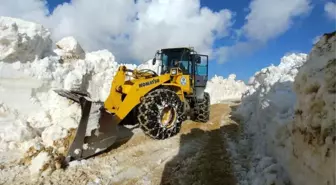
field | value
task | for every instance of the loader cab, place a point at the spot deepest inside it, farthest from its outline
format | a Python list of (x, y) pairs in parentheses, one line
[(188, 61)]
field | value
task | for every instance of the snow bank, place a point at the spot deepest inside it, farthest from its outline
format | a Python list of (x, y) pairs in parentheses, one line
[(32, 115), (23, 41), (291, 133), (221, 89)]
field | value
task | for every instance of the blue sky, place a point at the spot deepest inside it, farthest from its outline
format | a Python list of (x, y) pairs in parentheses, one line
[(298, 38)]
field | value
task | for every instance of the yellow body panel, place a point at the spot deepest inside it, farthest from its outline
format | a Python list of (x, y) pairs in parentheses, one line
[(125, 95), (114, 99)]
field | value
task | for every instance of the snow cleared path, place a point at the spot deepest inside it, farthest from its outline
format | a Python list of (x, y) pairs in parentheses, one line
[(195, 156)]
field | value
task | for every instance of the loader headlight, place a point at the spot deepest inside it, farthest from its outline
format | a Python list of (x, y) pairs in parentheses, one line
[(174, 71)]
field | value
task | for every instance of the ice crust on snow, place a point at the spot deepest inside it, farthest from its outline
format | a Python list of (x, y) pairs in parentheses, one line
[(289, 118), (22, 40)]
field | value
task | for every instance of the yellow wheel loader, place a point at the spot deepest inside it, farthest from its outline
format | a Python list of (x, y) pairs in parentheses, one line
[(159, 101)]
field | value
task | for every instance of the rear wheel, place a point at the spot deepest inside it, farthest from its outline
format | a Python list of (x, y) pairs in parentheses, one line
[(160, 114), (202, 109)]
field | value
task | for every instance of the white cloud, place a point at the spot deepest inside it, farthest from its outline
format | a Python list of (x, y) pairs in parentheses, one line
[(330, 9), (271, 18), (266, 20), (33, 10), (129, 29)]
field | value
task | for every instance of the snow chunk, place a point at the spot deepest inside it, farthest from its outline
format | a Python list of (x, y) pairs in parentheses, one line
[(39, 162), (69, 49), (53, 133), (22, 40)]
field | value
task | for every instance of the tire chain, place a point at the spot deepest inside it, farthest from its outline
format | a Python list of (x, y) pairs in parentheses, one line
[(202, 113), (148, 113)]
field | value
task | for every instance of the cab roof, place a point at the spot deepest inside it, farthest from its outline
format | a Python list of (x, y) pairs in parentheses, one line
[(179, 48)]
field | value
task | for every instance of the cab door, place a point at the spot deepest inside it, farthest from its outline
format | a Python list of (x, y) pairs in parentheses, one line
[(201, 71)]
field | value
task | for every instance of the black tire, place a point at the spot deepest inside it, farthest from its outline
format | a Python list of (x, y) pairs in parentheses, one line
[(202, 109), (151, 108)]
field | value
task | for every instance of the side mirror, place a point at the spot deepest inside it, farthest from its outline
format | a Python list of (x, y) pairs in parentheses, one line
[(154, 61), (198, 60)]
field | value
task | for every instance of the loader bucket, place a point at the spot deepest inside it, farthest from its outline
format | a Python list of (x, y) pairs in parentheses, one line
[(86, 145)]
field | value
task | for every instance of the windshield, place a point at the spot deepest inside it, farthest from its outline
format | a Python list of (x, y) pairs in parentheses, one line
[(168, 57)]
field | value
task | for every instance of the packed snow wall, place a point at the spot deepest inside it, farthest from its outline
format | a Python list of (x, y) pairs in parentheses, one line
[(289, 117), (35, 122)]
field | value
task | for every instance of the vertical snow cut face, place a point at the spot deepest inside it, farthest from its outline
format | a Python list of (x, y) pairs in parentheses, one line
[(288, 113), (266, 106), (313, 133)]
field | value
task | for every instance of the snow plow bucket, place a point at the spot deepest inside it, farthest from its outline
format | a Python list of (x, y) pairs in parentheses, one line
[(104, 135)]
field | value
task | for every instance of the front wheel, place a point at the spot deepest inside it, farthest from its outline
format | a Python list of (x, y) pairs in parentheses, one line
[(160, 114)]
